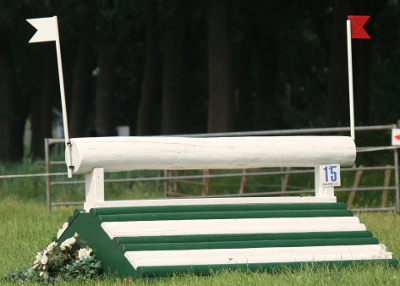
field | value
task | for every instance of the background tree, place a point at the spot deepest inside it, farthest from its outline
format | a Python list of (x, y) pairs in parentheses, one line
[(220, 67), (174, 86), (80, 95), (16, 81), (42, 104), (194, 66), (337, 106), (146, 112)]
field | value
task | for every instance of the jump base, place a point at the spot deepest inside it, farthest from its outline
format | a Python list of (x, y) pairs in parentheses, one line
[(167, 237)]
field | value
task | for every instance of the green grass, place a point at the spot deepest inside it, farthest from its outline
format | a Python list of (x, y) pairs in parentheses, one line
[(25, 229)]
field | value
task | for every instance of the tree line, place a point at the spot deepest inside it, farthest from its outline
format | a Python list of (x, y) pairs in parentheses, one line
[(176, 67)]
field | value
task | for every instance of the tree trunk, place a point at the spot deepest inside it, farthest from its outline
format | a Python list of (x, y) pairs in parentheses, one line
[(107, 55), (42, 105), (244, 90), (11, 118), (80, 90), (145, 118), (265, 67), (361, 61), (221, 98), (173, 84), (337, 102)]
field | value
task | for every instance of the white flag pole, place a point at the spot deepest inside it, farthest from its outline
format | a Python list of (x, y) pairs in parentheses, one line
[(47, 31), (63, 102), (350, 74)]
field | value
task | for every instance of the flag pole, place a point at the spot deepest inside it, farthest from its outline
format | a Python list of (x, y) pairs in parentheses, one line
[(350, 74), (47, 31), (68, 145)]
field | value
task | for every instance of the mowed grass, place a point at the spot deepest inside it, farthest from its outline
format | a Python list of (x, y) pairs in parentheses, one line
[(25, 228)]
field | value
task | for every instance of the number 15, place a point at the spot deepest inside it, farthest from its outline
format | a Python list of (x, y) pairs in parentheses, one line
[(333, 173), (330, 175)]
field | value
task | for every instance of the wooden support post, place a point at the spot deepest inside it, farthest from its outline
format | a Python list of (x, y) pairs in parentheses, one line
[(285, 180), (166, 186), (243, 182), (356, 183), (386, 183), (206, 183), (94, 186), (174, 182)]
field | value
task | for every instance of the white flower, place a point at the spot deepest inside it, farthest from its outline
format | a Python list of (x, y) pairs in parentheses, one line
[(84, 253), (68, 243), (44, 258), (45, 274), (51, 246), (38, 257)]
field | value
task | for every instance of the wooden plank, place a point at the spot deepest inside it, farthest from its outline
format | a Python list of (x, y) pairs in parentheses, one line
[(248, 244), (210, 201), (217, 208), (256, 255), (180, 153), (158, 271), (241, 237), (233, 226), (222, 215)]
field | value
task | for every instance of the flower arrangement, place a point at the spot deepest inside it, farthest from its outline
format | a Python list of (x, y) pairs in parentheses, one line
[(61, 263)]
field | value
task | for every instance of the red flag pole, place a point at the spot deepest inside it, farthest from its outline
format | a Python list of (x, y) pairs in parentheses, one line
[(350, 74)]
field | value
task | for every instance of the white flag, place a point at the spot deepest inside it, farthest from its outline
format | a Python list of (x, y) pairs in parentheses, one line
[(47, 29)]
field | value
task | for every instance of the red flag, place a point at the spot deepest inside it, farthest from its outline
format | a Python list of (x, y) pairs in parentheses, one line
[(357, 27)]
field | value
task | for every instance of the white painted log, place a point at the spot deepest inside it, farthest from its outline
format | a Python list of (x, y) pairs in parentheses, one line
[(232, 226), (208, 201), (174, 153), (256, 255)]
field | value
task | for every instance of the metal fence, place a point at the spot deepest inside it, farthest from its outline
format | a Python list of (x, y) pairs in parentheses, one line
[(168, 178)]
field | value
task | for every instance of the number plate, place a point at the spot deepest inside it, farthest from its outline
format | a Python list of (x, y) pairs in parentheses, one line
[(329, 175)]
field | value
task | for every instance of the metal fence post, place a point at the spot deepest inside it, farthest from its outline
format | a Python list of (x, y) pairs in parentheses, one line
[(48, 186), (396, 178)]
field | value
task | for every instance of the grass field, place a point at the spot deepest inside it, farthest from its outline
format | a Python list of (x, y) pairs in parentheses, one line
[(25, 228)]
